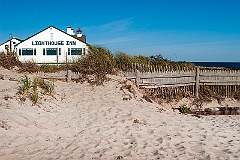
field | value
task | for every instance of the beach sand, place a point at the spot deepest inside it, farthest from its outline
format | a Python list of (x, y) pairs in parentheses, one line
[(107, 122)]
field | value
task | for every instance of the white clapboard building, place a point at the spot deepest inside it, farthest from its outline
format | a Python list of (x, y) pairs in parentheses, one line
[(9, 45), (52, 45)]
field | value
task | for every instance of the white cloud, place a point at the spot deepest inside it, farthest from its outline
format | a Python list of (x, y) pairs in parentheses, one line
[(111, 27), (175, 44), (116, 41)]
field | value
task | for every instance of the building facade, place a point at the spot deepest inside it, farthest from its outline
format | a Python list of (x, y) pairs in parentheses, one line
[(9, 45), (52, 45)]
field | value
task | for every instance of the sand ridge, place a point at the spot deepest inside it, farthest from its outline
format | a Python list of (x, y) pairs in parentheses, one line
[(86, 122)]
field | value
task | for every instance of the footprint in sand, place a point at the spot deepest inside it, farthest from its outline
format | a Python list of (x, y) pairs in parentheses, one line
[(132, 140), (180, 147), (160, 140), (197, 149)]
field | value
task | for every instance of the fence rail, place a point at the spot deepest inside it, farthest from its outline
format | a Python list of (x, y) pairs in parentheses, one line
[(217, 77), (196, 79), (223, 81), (63, 75), (220, 77)]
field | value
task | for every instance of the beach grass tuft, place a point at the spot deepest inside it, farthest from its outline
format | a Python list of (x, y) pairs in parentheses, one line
[(36, 88)]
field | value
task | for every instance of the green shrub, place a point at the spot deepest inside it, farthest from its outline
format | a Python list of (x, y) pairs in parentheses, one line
[(98, 62), (26, 85), (51, 68), (48, 87), (141, 59), (159, 60), (124, 61), (34, 97), (30, 89), (34, 84), (30, 67), (184, 109), (9, 61)]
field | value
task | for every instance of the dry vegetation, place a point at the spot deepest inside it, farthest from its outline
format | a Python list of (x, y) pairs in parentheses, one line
[(100, 61), (35, 89), (167, 94)]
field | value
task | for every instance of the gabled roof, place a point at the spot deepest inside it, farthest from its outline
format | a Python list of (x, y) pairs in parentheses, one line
[(12, 38), (82, 38), (56, 29)]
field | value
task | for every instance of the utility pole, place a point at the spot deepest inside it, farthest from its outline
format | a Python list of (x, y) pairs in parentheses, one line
[(10, 43)]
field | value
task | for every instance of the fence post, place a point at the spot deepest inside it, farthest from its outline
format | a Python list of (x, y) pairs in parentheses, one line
[(238, 92), (197, 82), (69, 75), (137, 77)]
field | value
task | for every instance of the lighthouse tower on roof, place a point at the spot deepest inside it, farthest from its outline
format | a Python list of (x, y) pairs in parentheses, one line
[(79, 32)]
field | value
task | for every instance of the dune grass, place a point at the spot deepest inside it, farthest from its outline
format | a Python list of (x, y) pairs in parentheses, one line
[(35, 89), (98, 63), (99, 60)]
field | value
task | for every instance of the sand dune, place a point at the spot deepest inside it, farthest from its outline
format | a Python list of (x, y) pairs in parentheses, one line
[(86, 122)]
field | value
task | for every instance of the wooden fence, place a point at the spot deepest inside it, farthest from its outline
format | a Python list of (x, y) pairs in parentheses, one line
[(62, 75), (169, 83), (221, 80)]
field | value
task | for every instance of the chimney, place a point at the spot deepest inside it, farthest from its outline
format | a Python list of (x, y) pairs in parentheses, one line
[(70, 31)]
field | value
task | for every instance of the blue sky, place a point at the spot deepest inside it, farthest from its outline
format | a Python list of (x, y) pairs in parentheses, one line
[(180, 30)]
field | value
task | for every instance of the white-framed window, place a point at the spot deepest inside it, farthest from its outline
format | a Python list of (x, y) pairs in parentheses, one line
[(76, 51), (27, 51), (51, 51)]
